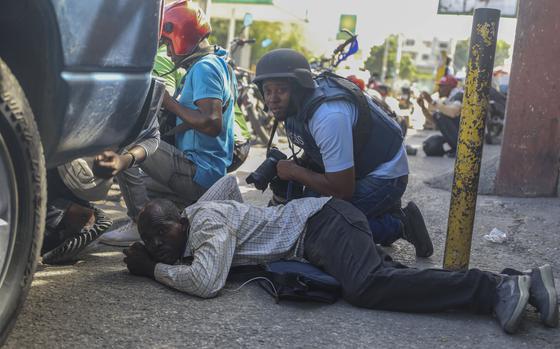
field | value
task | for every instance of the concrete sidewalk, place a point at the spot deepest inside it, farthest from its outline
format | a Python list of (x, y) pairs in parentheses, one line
[(96, 303)]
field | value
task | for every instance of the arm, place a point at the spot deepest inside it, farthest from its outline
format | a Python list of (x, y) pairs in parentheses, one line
[(452, 110), (110, 163), (225, 188), (208, 86), (338, 184), (211, 263), (331, 128), (206, 119)]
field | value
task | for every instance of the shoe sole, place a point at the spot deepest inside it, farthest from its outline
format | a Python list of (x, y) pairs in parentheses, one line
[(428, 250), (545, 274), (117, 243), (524, 284)]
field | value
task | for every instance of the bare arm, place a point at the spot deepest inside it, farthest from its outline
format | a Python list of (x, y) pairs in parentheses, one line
[(206, 119), (337, 184)]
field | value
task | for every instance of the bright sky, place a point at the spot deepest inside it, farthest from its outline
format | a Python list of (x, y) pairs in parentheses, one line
[(379, 18)]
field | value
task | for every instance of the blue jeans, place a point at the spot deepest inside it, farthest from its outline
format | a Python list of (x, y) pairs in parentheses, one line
[(377, 198)]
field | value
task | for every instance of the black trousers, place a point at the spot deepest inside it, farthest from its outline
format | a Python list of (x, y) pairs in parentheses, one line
[(338, 239), (449, 128)]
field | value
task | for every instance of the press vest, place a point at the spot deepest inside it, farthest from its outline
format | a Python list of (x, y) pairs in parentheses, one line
[(376, 136)]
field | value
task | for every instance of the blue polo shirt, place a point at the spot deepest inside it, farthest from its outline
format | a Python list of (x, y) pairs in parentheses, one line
[(208, 78)]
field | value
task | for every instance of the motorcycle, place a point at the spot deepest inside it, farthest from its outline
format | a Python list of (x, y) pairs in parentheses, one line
[(495, 116)]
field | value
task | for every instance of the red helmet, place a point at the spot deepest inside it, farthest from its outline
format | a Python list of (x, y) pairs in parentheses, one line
[(361, 84), (184, 27)]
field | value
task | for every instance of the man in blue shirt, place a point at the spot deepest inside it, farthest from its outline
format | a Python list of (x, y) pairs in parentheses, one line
[(203, 146), (355, 150)]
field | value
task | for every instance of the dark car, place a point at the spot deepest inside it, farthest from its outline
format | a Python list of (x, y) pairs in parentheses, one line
[(75, 79)]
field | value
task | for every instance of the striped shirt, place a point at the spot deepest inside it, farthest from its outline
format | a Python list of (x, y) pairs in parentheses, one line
[(227, 233)]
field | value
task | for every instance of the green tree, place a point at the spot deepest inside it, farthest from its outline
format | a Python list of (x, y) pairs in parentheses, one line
[(407, 68), (502, 52), (374, 63), (283, 35), (460, 59), (461, 56)]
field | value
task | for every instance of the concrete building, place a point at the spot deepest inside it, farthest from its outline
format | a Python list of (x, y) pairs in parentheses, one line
[(426, 53)]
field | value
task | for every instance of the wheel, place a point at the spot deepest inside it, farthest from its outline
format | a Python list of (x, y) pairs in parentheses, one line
[(23, 198)]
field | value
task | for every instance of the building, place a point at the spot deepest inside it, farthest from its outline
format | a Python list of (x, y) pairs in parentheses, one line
[(426, 54)]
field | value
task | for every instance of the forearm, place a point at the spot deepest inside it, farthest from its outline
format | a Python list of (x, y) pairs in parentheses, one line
[(320, 183), (194, 118), (450, 110), (185, 279), (427, 114)]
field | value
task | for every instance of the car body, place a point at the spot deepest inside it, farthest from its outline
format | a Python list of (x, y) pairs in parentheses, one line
[(76, 80)]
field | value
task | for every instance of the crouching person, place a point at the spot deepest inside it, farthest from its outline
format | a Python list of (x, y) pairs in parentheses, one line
[(225, 232)]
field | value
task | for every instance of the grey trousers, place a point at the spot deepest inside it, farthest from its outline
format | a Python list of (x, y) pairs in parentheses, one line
[(167, 173)]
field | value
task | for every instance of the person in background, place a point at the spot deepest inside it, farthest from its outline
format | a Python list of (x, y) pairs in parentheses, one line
[(445, 112)]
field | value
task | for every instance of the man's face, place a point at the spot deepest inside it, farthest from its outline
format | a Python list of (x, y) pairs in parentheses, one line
[(165, 240), (445, 90), (174, 58), (277, 94)]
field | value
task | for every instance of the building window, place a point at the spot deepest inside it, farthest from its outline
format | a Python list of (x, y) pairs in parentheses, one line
[(425, 57), (409, 42), (443, 45)]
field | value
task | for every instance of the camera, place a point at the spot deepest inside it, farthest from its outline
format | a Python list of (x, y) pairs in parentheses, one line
[(262, 176)]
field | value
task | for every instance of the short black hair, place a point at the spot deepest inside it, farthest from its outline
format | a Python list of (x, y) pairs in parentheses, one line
[(158, 210)]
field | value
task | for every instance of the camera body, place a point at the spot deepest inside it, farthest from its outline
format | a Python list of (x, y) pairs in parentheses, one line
[(266, 171)]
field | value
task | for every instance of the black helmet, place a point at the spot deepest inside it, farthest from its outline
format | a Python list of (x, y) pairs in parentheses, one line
[(284, 63)]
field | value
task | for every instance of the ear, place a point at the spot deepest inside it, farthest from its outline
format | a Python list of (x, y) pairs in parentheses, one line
[(184, 221)]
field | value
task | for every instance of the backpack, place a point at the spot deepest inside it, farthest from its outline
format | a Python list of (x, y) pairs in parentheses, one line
[(290, 280)]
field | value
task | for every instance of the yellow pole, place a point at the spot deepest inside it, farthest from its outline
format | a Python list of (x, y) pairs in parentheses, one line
[(471, 135)]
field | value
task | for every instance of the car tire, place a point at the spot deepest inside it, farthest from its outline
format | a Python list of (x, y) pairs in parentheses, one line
[(23, 198)]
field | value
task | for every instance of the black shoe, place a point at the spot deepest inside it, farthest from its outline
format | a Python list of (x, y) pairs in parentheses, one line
[(67, 251), (543, 295), (415, 231), (512, 297)]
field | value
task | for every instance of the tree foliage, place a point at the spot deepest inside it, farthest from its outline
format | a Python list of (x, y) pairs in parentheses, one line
[(374, 63), (407, 68), (460, 59), (283, 35)]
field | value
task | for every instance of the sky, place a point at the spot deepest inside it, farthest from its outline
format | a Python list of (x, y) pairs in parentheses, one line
[(376, 20)]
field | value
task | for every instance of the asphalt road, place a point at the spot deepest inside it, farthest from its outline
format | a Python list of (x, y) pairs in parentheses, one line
[(96, 303)]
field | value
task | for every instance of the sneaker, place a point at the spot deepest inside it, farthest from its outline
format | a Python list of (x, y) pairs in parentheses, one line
[(543, 295), (69, 249), (123, 236), (415, 231), (512, 296)]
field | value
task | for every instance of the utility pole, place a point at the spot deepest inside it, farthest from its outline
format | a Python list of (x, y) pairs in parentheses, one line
[(471, 134)]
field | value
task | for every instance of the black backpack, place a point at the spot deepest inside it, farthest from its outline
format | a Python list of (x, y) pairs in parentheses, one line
[(290, 280)]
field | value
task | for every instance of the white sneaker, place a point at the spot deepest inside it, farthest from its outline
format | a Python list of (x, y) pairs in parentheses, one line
[(123, 236)]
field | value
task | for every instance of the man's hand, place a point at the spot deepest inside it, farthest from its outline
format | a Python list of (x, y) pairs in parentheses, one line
[(286, 170), (138, 260), (109, 164), (167, 100), (426, 96)]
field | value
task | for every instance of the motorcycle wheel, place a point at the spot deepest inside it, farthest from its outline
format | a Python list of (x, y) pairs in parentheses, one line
[(258, 128), (23, 205)]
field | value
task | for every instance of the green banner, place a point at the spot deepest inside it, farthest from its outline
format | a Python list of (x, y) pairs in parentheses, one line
[(253, 2), (346, 22)]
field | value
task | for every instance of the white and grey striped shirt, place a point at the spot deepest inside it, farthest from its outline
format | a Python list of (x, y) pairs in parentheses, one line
[(227, 233)]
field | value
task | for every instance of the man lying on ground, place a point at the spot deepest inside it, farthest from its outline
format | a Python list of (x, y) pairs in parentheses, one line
[(337, 238)]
